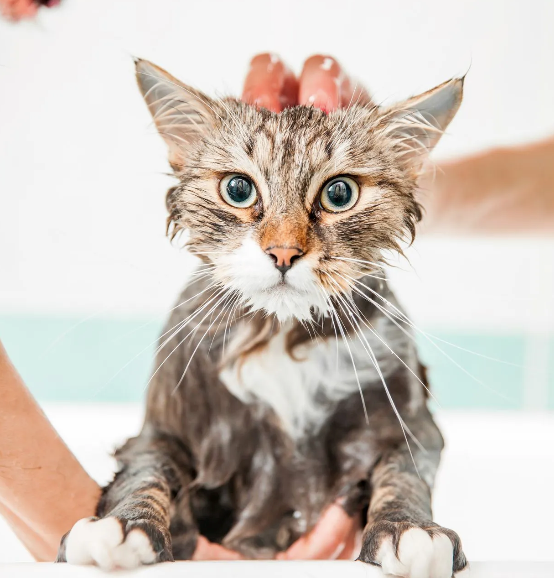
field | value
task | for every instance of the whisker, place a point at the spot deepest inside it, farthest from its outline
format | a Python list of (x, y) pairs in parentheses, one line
[(226, 305), (191, 316), (386, 261), (306, 326), (227, 326), (70, 329), (333, 311), (488, 357), (369, 326), (187, 335), (195, 350), (367, 347), (133, 331), (392, 317), (110, 380), (378, 265), (403, 317)]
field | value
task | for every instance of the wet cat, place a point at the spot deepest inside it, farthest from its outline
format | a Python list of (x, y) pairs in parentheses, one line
[(287, 378)]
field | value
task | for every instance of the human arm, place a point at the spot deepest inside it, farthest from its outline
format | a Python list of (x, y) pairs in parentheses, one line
[(500, 191), (43, 488)]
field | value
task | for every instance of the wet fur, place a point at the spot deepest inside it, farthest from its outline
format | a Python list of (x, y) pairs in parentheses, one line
[(228, 463)]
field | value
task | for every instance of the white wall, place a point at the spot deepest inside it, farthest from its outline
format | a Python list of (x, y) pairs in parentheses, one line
[(81, 187)]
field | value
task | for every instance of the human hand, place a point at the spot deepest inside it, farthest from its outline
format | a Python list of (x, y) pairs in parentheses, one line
[(206, 550), (335, 537), (322, 83), (24, 9)]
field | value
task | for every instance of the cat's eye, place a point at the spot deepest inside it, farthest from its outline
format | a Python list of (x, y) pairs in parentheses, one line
[(339, 194), (238, 190)]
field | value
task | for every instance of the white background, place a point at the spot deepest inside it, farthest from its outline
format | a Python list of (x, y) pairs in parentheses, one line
[(82, 216)]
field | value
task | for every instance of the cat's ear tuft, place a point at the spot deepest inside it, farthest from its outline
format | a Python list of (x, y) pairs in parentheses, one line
[(182, 114), (419, 122)]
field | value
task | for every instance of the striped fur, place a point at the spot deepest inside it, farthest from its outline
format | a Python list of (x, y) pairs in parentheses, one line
[(276, 395)]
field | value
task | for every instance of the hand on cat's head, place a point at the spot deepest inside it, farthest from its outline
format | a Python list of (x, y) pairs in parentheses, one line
[(322, 83)]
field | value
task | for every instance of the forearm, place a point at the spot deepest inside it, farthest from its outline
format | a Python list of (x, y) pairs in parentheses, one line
[(502, 191), (35, 543), (43, 488)]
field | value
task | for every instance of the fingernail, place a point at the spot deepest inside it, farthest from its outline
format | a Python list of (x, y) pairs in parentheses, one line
[(327, 63), (261, 101), (321, 100), (273, 61), (266, 101)]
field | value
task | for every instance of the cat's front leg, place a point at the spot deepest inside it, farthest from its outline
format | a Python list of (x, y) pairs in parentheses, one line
[(133, 523), (400, 535)]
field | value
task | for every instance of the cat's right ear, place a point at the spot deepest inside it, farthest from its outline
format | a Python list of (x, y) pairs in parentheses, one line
[(182, 114)]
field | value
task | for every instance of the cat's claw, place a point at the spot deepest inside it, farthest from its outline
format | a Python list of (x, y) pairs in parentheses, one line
[(410, 551), (111, 543)]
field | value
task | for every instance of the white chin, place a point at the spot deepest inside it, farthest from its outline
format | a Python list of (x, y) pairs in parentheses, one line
[(285, 303)]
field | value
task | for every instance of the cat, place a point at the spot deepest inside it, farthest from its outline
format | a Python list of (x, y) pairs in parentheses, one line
[(286, 378)]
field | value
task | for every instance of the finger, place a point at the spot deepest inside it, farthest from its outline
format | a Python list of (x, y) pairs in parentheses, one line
[(352, 545), (322, 82), (18, 9), (327, 539), (270, 84), (25, 8), (206, 550), (325, 85)]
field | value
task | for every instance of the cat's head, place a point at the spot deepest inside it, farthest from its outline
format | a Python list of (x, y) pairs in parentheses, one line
[(291, 208)]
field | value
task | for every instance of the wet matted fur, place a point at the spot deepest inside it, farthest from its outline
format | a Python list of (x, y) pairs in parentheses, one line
[(283, 387)]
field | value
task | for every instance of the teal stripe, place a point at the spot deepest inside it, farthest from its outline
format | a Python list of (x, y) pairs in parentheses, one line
[(62, 361), (100, 360), (467, 380)]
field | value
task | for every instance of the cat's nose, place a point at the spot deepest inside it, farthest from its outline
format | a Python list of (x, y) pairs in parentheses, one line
[(284, 257)]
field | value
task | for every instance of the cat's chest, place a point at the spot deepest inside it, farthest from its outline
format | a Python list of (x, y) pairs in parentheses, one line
[(300, 386)]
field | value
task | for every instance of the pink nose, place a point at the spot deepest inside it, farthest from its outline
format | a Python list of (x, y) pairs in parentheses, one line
[(284, 257)]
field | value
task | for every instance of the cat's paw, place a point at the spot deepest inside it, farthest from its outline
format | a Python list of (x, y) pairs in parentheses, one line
[(111, 543), (413, 551)]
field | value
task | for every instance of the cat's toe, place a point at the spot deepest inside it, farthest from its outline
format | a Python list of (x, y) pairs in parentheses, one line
[(413, 552), (111, 543)]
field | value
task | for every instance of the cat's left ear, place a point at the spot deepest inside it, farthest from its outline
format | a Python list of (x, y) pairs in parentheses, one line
[(181, 113), (419, 122)]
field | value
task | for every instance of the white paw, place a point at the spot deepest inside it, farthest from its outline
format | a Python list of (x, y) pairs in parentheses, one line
[(102, 542), (419, 555)]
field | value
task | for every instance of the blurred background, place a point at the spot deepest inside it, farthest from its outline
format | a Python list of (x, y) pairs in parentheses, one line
[(87, 274)]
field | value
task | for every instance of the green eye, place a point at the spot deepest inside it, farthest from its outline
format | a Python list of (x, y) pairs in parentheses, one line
[(339, 194), (239, 191)]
